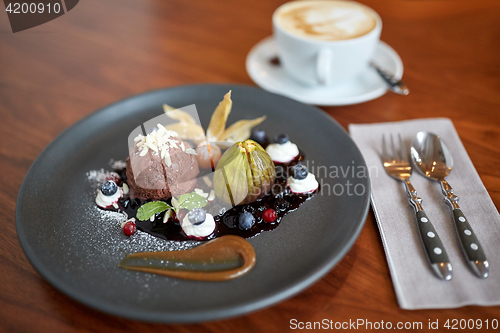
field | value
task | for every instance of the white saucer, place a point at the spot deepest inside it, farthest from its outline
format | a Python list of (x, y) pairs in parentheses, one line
[(365, 87)]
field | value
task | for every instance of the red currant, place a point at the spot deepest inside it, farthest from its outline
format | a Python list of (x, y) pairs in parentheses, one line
[(129, 228), (269, 215), (114, 177)]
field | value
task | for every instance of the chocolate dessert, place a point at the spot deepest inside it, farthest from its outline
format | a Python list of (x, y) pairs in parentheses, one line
[(291, 188), (160, 166), (241, 192)]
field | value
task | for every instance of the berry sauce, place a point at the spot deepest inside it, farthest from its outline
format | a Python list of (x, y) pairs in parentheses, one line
[(280, 198)]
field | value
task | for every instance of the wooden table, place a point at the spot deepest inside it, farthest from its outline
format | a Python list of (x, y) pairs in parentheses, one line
[(102, 51)]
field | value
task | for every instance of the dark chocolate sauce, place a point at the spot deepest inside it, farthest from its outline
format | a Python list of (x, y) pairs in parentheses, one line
[(279, 198)]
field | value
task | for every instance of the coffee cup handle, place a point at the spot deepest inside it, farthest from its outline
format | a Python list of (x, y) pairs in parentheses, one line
[(324, 66)]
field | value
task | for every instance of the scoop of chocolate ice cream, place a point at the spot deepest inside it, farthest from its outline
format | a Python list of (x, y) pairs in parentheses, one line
[(161, 167)]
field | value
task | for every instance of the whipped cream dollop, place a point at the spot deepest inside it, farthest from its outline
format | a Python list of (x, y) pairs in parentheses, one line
[(306, 185), (282, 153), (106, 201), (202, 230)]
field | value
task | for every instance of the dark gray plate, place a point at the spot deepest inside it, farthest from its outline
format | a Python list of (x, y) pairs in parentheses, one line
[(66, 240)]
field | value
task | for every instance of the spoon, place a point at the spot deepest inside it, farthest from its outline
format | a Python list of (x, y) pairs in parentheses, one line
[(433, 159), (395, 85)]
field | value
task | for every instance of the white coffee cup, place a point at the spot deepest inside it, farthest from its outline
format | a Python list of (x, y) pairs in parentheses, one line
[(325, 42)]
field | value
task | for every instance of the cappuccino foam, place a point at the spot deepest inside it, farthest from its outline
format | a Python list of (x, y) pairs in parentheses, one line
[(326, 20)]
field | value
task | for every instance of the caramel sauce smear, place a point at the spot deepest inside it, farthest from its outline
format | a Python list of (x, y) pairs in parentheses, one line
[(221, 259)]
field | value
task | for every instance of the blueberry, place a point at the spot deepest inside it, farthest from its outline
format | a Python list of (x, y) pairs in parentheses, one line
[(246, 221), (299, 171), (281, 138), (258, 135), (135, 203), (229, 220), (109, 188), (125, 203), (197, 216)]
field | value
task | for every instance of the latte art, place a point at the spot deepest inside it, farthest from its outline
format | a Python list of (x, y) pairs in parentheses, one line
[(326, 20)]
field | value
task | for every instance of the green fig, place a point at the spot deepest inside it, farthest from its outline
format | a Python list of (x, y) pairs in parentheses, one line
[(244, 173)]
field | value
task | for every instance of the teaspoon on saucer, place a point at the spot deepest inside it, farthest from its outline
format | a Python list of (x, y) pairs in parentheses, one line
[(433, 159), (263, 68), (397, 86)]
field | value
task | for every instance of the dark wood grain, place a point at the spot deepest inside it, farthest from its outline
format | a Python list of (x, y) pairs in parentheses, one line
[(102, 51)]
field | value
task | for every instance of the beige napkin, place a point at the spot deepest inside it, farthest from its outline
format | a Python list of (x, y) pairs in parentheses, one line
[(415, 284)]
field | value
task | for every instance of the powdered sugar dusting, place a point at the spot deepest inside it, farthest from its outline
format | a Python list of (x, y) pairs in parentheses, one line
[(104, 228), (109, 238), (117, 165), (97, 177)]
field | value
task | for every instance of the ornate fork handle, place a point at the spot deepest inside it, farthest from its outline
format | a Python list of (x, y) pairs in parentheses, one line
[(436, 253), (470, 244), (415, 200)]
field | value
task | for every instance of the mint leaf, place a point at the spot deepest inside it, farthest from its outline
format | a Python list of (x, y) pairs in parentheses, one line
[(149, 209), (191, 200)]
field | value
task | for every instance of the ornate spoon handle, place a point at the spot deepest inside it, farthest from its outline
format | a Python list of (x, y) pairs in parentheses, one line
[(471, 247), (434, 248), (394, 84)]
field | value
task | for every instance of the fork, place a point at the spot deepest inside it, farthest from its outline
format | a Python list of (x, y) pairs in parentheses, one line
[(398, 166)]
